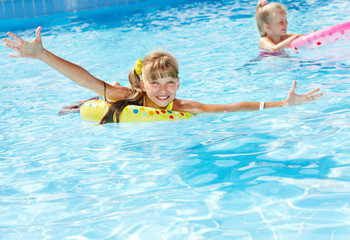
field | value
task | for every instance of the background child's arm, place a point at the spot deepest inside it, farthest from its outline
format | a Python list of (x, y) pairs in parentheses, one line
[(292, 99), (35, 50), (266, 43)]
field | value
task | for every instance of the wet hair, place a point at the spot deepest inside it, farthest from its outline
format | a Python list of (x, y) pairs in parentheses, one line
[(264, 13), (155, 65)]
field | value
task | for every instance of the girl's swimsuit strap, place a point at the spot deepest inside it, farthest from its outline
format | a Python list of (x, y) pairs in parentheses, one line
[(170, 106)]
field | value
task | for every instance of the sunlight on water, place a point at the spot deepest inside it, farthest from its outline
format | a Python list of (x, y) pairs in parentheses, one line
[(272, 174)]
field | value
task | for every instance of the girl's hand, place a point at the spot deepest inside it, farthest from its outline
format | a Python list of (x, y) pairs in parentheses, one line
[(25, 49), (295, 99)]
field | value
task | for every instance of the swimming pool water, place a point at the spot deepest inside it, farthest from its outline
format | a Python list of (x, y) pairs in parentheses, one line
[(273, 174)]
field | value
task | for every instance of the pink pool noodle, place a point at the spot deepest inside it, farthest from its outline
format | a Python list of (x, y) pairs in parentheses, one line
[(322, 37)]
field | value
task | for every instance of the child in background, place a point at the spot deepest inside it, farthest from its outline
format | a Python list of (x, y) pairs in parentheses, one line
[(271, 19), (154, 83)]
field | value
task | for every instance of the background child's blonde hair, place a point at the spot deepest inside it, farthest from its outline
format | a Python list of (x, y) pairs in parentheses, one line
[(264, 13)]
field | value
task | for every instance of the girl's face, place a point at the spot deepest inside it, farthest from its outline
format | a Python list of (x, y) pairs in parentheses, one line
[(278, 24), (160, 92)]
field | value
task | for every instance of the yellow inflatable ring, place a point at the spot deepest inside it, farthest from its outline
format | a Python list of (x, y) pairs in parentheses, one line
[(94, 110)]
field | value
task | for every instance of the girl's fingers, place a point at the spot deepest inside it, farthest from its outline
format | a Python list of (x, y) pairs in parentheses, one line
[(15, 37), (10, 43), (15, 56), (312, 92), (37, 33), (12, 47), (316, 96), (293, 86)]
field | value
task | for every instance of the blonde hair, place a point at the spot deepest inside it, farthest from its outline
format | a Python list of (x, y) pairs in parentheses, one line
[(158, 65), (264, 13), (155, 65)]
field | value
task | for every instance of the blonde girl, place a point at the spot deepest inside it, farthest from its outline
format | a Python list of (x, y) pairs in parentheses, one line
[(271, 19), (154, 82)]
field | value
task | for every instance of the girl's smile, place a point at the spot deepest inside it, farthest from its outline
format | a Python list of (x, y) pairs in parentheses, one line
[(160, 92)]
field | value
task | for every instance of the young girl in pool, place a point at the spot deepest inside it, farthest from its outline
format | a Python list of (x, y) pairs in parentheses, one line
[(271, 19), (156, 88)]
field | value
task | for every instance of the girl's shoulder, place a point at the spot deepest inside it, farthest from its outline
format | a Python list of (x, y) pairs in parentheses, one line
[(185, 105), (264, 42), (263, 39)]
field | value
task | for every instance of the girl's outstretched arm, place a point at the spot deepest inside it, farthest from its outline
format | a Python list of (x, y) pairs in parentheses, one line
[(266, 43), (35, 50), (291, 100)]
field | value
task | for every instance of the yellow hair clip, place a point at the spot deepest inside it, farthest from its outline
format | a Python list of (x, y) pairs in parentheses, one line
[(138, 67)]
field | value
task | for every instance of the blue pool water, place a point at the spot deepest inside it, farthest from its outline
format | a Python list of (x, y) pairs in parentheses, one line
[(273, 174)]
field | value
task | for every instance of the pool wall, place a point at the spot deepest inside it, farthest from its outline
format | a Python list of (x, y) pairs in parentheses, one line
[(10, 9)]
